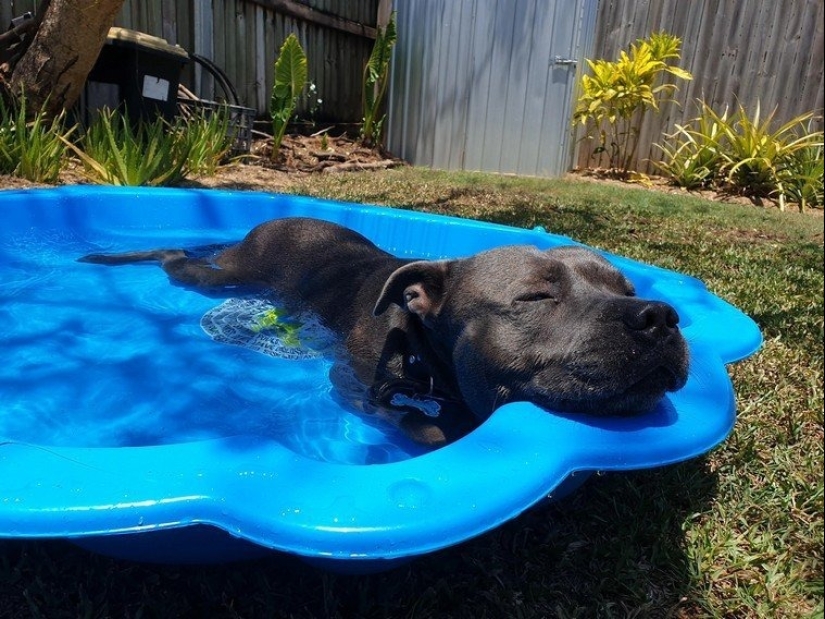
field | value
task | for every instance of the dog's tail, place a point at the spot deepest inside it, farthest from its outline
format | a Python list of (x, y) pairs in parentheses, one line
[(161, 256)]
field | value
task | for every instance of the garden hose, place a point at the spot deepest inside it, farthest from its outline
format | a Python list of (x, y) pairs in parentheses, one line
[(219, 76)]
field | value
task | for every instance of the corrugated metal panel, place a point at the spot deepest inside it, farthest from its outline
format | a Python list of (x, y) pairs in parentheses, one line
[(738, 51), (474, 85)]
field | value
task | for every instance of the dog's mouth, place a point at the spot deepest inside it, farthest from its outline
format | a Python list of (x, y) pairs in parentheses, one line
[(668, 377), (635, 397), (645, 394)]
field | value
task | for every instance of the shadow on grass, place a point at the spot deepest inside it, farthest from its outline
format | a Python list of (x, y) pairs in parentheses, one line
[(614, 547)]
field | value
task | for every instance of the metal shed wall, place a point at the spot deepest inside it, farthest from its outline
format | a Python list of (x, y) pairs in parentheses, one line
[(475, 86)]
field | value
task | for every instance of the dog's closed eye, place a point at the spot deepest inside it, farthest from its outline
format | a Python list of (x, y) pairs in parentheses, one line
[(539, 295), (548, 289)]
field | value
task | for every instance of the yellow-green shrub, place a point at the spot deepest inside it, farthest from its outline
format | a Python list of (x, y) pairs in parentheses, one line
[(615, 95)]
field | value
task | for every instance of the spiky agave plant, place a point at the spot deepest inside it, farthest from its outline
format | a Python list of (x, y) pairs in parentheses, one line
[(116, 153), (32, 146)]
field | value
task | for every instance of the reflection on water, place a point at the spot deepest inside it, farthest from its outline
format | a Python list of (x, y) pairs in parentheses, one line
[(101, 357)]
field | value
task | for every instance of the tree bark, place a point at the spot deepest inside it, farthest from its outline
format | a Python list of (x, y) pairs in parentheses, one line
[(52, 71)]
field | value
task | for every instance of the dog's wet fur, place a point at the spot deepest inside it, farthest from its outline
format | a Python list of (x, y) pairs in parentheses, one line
[(561, 328)]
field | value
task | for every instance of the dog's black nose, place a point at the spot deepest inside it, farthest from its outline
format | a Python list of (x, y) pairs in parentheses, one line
[(650, 315)]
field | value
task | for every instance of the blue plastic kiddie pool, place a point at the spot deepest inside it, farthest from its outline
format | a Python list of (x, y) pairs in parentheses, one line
[(127, 427)]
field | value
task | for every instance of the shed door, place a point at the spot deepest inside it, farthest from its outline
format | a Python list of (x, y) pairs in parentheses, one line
[(487, 85)]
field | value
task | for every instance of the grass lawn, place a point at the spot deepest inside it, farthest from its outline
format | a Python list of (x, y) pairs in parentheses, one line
[(736, 533)]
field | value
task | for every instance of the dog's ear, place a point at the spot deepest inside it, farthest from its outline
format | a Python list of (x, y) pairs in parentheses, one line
[(417, 287)]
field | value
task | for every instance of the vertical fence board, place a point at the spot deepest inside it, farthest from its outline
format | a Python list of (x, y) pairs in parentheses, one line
[(462, 100), (243, 38), (741, 51)]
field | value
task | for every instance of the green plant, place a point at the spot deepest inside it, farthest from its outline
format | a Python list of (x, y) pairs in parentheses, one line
[(207, 138), (615, 97), (694, 152), (115, 153), (757, 155), (376, 74), (32, 147), (290, 79), (747, 155), (802, 176)]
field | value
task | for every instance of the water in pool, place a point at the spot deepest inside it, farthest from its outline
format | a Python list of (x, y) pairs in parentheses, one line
[(113, 357)]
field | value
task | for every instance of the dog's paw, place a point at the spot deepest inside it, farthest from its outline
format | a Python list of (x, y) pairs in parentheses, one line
[(423, 431)]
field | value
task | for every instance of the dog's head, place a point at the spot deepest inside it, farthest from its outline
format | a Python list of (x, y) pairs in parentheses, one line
[(560, 328)]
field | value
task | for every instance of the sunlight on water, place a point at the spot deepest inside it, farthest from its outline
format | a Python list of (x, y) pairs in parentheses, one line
[(115, 357)]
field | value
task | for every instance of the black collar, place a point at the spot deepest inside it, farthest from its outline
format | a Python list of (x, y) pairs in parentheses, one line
[(415, 391)]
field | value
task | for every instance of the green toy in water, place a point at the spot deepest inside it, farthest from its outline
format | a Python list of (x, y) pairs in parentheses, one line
[(277, 320), (262, 326)]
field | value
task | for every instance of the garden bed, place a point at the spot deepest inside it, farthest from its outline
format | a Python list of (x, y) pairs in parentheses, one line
[(303, 155)]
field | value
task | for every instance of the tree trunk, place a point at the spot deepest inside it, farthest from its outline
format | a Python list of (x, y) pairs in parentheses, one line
[(52, 71)]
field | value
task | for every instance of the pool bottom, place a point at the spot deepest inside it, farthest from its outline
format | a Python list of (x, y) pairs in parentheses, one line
[(100, 358)]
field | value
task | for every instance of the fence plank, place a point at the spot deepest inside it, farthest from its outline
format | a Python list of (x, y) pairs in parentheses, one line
[(742, 51), (310, 15), (243, 38)]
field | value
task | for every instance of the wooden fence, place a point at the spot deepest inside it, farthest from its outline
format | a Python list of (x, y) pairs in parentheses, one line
[(739, 51), (243, 37)]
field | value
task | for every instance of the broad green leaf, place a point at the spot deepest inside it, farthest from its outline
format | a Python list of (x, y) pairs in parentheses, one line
[(290, 69), (289, 81)]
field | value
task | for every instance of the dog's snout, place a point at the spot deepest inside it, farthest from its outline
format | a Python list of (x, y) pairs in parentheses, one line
[(650, 315)]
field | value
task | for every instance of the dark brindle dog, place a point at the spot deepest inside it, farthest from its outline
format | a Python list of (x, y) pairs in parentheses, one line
[(441, 344)]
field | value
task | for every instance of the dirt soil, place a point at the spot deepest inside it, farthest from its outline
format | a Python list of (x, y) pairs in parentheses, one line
[(298, 157)]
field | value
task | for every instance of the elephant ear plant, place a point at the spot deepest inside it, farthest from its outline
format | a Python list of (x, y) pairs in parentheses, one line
[(376, 79), (290, 79)]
